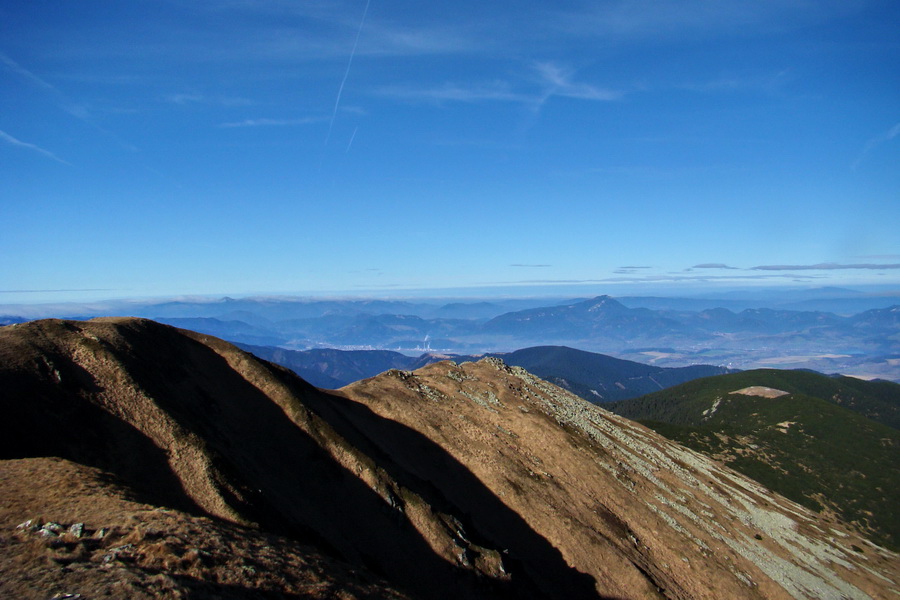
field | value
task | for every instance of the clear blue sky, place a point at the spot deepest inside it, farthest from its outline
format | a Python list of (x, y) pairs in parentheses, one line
[(235, 147)]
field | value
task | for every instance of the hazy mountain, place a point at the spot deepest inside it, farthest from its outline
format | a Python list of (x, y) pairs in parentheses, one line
[(842, 301), (601, 317), (195, 468), (276, 309), (231, 330), (385, 330), (865, 344), (828, 443), (595, 377), (329, 368), (759, 320), (879, 321), (10, 320), (474, 310)]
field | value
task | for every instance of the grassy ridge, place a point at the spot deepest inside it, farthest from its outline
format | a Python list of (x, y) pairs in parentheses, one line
[(813, 445)]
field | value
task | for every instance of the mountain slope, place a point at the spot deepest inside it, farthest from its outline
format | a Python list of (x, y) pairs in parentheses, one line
[(476, 480), (802, 434)]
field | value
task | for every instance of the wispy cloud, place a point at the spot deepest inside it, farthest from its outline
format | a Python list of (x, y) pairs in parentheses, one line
[(876, 141), (825, 267), (660, 19), (56, 291), (712, 266), (33, 147), (663, 278), (327, 26), (183, 99), (79, 110), (186, 99), (704, 278), (765, 83), (451, 92), (881, 256), (409, 39), (15, 67), (543, 81), (272, 122), (630, 270), (557, 81)]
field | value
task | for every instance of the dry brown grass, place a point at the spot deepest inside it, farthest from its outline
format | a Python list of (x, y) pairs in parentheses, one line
[(147, 552)]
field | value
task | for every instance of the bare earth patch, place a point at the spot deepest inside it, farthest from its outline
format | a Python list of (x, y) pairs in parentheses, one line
[(761, 391)]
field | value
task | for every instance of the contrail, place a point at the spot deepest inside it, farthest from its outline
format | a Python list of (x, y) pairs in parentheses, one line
[(62, 103), (350, 143), (876, 141), (337, 101), (17, 68), (16, 142)]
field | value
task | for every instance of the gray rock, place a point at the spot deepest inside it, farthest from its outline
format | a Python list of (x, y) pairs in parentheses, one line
[(118, 553), (29, 524), (50, 530)]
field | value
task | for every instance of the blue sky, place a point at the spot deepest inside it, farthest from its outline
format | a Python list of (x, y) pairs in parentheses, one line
[(237, 147)]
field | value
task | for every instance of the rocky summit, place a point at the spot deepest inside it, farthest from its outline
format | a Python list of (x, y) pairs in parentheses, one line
[(144, 461)]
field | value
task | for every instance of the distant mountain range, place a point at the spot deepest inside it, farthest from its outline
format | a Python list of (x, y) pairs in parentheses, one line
[(142, 461), (595, 377), (866, 344), (828, 443), (331, 369), (665, 332)]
